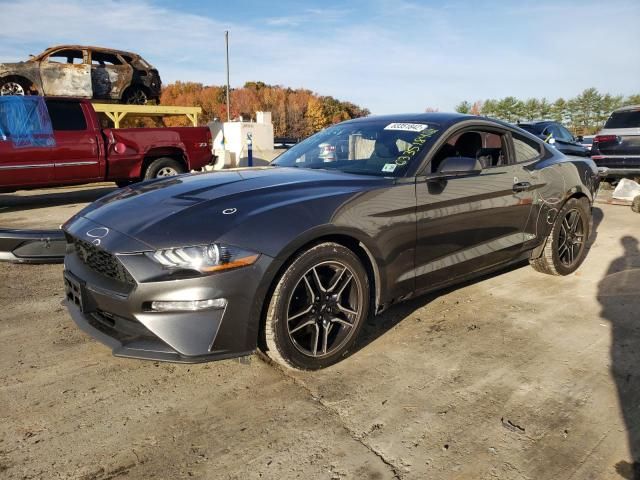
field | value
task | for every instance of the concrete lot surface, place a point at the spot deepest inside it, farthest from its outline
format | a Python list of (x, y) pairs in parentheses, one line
[(514, 376)]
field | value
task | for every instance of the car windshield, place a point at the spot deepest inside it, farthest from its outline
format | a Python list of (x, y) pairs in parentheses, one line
[(369, 148)]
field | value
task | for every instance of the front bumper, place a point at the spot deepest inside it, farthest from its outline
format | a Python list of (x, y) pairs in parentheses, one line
[(116, 314), (32, 246)]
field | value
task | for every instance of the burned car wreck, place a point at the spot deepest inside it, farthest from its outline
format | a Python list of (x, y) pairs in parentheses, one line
[(84, 72)]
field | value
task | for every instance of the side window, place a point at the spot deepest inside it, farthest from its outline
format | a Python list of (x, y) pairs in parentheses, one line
[(565, 135), (66, 116), (104, 59), (73, 57), (485, 146), (525, 149)]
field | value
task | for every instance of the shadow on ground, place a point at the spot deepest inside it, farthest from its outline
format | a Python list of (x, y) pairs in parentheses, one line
[(619, 296), (51, 198), (379, 325)]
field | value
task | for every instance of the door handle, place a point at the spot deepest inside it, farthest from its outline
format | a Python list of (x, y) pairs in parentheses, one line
[(522, 187)]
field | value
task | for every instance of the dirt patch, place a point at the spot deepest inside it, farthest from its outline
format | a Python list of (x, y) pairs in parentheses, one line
[(507, 377)]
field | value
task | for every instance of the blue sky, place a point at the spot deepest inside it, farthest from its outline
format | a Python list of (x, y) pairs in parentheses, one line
[(389, 56)]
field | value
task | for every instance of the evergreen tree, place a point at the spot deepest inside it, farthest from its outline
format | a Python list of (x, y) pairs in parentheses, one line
[(463, 107)]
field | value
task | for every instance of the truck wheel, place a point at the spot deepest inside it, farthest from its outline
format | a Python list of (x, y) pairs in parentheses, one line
[(566, 245), (135, 96), (635, 205), (163, 167)]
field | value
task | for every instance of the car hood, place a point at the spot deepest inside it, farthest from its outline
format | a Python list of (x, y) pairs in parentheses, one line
[(6, 67), (200, 208)]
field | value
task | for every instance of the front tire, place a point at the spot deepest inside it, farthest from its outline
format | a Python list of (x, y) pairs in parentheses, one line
[(566, 246), (15, 86), (318, 308), (163, 167)]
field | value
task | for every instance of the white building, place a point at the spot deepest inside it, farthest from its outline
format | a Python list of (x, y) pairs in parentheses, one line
[(230, 141)]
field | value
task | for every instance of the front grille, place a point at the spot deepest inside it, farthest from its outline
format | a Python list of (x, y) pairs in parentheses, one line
[(102, 262)]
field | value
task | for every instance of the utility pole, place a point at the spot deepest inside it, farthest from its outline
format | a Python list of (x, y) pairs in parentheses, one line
[(226, 41)]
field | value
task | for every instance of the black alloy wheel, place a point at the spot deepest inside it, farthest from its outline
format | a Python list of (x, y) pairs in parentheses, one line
[(317, 308), (322, 309), (565, 247), (571, 238)]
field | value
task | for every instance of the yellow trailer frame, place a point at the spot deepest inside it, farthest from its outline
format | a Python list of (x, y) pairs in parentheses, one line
[(116, 112)]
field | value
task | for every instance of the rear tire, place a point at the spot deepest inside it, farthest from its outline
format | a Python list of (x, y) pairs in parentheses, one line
[(635, 205), (163, 167), (566, 246), (135, 96), (318, 308)]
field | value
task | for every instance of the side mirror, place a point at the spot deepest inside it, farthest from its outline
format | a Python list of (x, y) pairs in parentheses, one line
[(457, 167), (579, 138)]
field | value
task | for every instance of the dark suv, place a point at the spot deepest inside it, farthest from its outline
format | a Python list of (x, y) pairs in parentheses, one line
[(616, 149), (562, 138)]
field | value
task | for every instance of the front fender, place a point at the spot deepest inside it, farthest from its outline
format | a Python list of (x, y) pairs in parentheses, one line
[(31, 73)]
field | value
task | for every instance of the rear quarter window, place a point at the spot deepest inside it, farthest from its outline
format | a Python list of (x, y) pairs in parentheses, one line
[(525, 148), (626, 119)]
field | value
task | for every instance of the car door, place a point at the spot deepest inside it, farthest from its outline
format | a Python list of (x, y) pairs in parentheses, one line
[(66, 73), (25, 147), (77, 144), (110, 75), (471, 222), (24, 166)]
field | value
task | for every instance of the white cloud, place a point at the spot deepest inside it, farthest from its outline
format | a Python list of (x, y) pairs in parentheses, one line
[(401, 56)]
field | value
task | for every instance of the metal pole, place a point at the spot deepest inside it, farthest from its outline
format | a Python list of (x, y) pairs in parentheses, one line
[(226, 41)]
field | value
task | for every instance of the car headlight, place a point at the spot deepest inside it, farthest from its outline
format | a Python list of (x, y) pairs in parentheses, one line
[(204, 258)]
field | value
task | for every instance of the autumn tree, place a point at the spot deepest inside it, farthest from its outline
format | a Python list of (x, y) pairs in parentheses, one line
[(289, 107), (476, 108)]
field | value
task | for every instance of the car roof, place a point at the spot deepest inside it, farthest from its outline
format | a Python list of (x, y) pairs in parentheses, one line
[(443, 119), (417, 117), (89, 47), (627, 108), (537, 122)]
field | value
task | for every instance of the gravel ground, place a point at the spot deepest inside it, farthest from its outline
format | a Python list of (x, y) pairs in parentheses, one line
[(513, 376)]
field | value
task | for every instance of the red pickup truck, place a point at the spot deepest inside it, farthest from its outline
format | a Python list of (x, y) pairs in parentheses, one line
[(83, 152)]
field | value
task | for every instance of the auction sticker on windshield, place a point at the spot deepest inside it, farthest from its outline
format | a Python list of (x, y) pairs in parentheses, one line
[(407, 127)]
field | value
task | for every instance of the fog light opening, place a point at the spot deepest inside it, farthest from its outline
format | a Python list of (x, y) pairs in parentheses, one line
[(188, 305)]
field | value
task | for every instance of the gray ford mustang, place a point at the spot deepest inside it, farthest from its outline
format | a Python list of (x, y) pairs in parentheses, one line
[(292, 258)]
